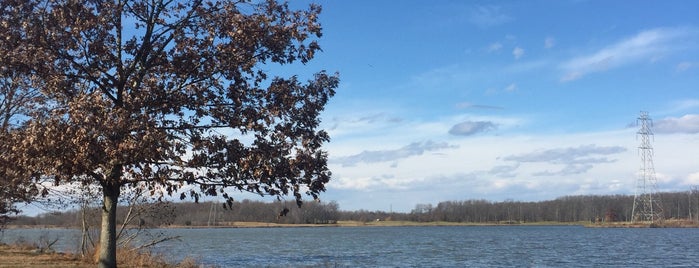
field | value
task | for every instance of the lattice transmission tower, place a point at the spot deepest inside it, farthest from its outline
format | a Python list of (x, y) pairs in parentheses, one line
[(646, 202)]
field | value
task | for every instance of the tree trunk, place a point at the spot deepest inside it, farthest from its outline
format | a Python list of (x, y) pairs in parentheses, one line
[(107, 254), (84, 248)]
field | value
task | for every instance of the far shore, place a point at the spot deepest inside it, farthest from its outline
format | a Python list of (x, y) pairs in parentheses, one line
[(361, 224), (237, 224), (671, 223)]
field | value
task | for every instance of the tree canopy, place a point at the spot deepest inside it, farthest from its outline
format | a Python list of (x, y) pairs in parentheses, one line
[(17, 101), (166, 97)]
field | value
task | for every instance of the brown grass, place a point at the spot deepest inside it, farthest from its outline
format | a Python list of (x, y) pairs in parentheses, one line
[(670, 223), (27, 256), (23, 256)]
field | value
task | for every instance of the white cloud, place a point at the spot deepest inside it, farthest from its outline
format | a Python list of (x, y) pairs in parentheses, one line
[(518, 52), (549, 42), (357, 183), (686, 104), (468, 105), (686, 124), (494, 47), (692, 179), (508, 89), (648, 45), (683, 66), (488, 16), (513, 166), (680, 107), (570, 76), (355, 121), (511, 87)]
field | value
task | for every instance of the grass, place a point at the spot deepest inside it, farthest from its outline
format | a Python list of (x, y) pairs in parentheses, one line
[(27, 255), (669, 223)]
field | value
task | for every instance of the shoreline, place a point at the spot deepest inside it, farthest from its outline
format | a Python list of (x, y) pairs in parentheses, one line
[(664, 224), (312, 225)]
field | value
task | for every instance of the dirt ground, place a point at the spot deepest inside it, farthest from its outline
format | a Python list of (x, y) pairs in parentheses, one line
[(22, 257)]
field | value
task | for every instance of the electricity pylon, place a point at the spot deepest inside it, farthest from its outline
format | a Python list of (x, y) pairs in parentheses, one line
[(213, 213), (646, 202)]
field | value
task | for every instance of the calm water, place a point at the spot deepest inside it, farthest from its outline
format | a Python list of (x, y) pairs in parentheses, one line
[(501, 246)]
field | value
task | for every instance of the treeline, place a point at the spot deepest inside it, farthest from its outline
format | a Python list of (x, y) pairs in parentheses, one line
[(255, 211), (195, 214), (601, 208), (606, 208)]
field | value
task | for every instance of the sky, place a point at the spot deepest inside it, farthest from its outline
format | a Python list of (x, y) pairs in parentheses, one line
[(506, 100)]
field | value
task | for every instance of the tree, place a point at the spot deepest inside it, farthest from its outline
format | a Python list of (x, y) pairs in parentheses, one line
[(17, 100), (9, 108), (169, 97)]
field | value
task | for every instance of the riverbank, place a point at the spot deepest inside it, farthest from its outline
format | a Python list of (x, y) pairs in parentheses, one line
[(29, 256), (367, 224), (23, 256), (237, 224), (672, 223)]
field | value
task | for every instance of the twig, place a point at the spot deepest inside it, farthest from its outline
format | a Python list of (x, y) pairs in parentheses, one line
[(155, 242)]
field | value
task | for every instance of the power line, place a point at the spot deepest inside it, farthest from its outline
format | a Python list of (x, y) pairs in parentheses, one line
[(646, 202)]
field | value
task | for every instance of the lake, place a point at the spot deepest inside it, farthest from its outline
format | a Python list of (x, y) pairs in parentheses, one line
[(454, 246)]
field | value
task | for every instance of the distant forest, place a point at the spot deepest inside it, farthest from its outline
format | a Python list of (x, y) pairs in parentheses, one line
[(601, 208)]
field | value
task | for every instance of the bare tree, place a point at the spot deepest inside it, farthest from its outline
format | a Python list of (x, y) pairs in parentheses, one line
[(694, 196), (168, 97)]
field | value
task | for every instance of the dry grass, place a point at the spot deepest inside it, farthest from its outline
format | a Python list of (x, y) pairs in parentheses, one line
[(670, 223), (130, 257), (675, 223), (25, 255), (133, 258)]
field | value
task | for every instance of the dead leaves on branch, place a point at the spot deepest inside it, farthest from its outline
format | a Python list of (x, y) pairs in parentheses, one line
[(171, 94)]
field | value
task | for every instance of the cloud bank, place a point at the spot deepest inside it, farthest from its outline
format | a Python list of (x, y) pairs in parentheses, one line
[(686, 124)]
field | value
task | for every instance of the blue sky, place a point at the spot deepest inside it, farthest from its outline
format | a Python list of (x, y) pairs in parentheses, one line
[(496, 100)]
